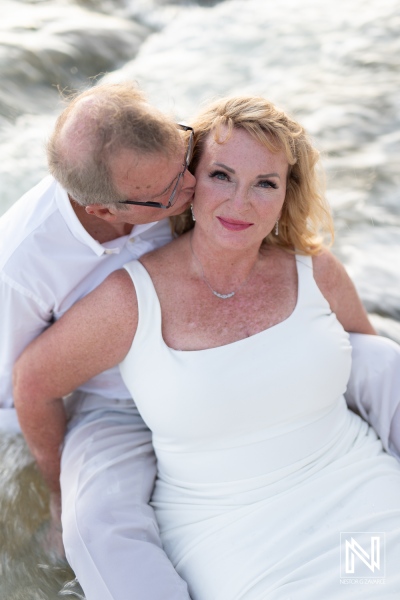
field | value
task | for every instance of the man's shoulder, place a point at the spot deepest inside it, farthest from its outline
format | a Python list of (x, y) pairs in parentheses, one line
[(29, 207), (30, 220)]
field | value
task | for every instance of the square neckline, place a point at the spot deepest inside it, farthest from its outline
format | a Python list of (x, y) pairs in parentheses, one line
[(230, 344)]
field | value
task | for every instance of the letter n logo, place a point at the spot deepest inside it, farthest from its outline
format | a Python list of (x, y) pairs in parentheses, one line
[(362, 554)]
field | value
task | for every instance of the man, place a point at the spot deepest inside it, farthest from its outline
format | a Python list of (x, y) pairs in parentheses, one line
[(109, 148)]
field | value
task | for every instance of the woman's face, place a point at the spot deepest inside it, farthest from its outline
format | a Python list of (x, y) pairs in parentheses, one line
[(241, 187)]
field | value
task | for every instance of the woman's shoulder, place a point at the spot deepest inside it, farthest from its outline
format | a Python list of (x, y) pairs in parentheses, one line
[(339, 290), (329, 272), (117, 285)]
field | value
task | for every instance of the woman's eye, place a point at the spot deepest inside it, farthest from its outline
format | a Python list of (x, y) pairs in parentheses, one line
[(219, 175), (267, 183)]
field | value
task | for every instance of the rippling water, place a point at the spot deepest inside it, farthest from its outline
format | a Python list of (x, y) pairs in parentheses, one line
[(335, 66)]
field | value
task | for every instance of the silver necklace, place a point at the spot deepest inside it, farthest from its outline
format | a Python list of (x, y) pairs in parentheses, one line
[(204, 278)]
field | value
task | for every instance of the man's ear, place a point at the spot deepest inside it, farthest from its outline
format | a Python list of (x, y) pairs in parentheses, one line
[(107, 213)]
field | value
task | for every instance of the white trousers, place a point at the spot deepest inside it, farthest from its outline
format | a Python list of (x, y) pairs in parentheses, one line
[(110, 533), (373, 390)]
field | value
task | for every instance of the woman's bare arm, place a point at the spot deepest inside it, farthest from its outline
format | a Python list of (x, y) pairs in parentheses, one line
[(94, 335), (337, 287)]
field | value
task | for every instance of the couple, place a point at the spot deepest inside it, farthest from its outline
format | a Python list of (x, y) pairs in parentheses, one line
[(233, 347)]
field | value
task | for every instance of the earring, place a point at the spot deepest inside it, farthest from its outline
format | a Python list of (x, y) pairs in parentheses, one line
[(191, 208), (277, 227)]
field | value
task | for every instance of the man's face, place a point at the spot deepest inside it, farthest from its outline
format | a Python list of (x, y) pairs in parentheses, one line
[(151, 178)]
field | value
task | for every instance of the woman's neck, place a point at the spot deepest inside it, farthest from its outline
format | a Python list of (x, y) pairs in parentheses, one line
[(223, 269)]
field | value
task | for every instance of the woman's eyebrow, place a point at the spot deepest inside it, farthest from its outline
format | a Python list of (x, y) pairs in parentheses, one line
[(268, 175), (224, 167), (258, 176)]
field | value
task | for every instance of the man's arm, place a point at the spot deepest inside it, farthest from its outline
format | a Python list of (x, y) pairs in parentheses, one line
[(23, 317)]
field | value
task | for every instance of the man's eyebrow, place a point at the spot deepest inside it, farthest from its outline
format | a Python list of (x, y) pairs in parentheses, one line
[(258, 176)]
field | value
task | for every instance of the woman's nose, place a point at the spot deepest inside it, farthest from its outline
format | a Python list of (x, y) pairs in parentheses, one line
[(240, 197)]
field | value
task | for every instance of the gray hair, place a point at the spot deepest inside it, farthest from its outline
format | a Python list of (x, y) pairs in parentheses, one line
[(96, 125)]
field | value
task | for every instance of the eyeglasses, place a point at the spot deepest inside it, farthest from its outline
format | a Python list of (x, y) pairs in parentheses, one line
[(172, 198)]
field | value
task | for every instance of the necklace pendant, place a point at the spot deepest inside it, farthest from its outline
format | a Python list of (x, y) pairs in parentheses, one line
[(223, 296)]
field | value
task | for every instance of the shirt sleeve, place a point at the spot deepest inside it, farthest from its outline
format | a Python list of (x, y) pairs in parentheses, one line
[(373, 390), (23, 317)]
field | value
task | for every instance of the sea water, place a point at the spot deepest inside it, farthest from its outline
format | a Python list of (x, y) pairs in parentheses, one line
[(334, 66)]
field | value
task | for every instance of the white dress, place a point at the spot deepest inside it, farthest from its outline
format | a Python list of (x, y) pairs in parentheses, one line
[(262, 469)]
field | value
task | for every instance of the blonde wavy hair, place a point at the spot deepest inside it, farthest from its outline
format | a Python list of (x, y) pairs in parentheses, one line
[(306, 221)]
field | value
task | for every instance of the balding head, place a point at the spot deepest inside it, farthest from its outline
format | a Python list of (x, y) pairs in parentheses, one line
[(94, 128)]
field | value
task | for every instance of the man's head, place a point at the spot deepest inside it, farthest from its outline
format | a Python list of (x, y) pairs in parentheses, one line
[(110, 145)]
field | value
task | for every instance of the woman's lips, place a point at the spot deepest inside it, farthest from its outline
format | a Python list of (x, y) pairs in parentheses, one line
[(234, 225)]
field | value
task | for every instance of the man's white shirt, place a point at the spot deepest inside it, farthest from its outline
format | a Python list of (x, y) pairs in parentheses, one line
[(48, 261)]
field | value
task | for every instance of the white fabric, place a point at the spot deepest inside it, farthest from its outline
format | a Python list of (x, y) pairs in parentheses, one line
[(373, 390), (48, 261), (260, 463), (111, 537)]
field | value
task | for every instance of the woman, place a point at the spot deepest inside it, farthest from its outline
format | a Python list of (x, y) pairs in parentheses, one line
[(233, 343)]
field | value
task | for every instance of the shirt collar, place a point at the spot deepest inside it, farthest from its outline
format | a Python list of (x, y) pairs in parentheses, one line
[(79, 232)]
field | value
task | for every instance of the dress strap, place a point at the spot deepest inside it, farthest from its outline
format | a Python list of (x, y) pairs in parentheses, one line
[(309, 293), (305, 260), (149, 321)]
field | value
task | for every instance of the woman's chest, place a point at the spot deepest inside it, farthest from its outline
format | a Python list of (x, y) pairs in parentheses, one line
[(199, 319)]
